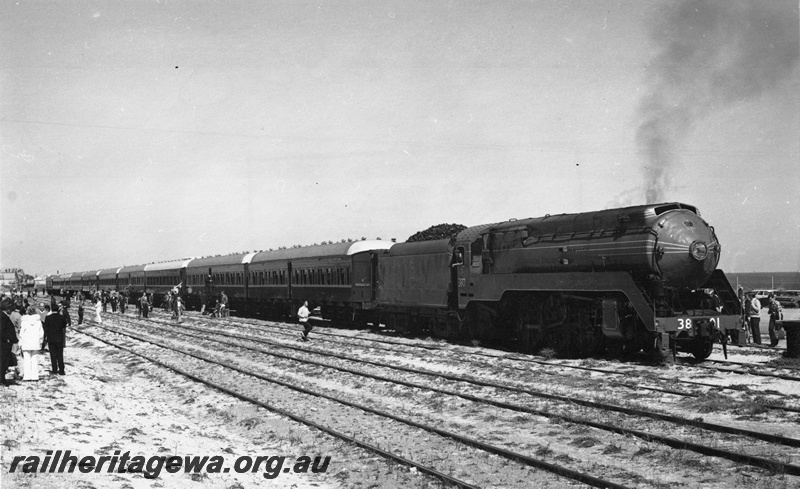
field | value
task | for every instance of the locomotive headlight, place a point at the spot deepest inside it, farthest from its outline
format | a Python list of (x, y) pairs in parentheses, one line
[(699, 250)]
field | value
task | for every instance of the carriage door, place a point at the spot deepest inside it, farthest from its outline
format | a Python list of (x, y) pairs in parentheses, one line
[(374, 282), (362, 277)]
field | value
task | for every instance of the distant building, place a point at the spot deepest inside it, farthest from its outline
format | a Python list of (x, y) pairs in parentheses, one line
[(15, 278), (40, 282), (9, 279)]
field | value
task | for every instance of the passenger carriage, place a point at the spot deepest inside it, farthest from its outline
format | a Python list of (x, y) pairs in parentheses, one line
[(160, 278), (336, 277), (208, 277), (131, 280)]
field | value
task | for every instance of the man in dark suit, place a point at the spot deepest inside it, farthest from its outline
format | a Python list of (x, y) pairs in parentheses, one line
[(55, 327), (8, 336), (64, 311)]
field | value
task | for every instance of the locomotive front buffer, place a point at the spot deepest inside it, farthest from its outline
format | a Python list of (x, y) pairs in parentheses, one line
[(695, 334)]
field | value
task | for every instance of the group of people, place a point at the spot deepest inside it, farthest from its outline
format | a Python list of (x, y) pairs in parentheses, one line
[(752, 307), (118, 302), (115, 299), (215, 307), (28, 332), (174, 302)]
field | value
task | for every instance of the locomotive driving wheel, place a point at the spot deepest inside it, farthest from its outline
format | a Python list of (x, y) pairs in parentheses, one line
[(588, 339), (615, 348), (468, 324), (528, 332), (561, 339)]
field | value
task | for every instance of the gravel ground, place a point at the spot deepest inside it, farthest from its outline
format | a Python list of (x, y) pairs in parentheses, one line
[(111, 401)]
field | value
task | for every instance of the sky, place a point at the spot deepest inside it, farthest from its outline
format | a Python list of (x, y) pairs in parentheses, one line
[(143, 131)]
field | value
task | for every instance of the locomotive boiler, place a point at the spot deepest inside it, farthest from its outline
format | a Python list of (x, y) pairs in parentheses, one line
[(624, 279)]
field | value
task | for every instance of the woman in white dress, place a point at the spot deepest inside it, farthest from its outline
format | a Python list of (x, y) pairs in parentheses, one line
[(31, 335)]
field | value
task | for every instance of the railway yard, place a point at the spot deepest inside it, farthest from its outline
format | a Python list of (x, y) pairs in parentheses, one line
[(391, 411), (416, 245)]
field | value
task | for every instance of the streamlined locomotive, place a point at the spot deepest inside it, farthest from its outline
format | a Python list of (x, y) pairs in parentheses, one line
[(626, 279)]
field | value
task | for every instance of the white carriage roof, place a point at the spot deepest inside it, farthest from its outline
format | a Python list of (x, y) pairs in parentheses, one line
[(369, 245), (326, 250), (168, 265)]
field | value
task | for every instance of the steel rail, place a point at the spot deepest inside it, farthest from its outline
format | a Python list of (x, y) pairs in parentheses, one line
[(542, 362), (518, 457), (749, 366), (294, 417), (674, 443), (793, 442)]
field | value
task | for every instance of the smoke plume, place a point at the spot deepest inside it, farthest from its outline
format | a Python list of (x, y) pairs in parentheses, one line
[(710, 54)]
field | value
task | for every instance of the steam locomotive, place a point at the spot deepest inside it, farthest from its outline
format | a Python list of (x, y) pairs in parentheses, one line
[(622, 280)]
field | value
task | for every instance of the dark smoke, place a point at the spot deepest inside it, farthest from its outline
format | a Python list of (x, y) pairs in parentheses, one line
[(711, 53)]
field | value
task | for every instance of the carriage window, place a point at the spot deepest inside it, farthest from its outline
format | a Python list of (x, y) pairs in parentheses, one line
[(475, 250)]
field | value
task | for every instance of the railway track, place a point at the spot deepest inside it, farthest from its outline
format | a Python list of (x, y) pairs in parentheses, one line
[(746, 368), (518, 362), (462, 378), (515, 465), (769, 463)]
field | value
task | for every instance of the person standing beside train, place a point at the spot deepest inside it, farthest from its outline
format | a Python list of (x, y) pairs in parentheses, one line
[(753, 311), (223, 304), (98, 306), (16, 319), (41, 311), (8, 338), (302, 317), (31, 335), (64, 311), (55, 328), (80, 310), (178, 308), (145, 306), (775, 314)]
